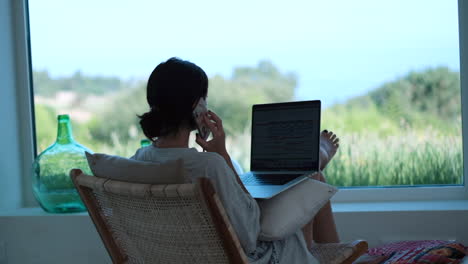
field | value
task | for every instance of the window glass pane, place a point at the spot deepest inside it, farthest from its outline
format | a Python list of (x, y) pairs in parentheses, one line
[(387, 73)]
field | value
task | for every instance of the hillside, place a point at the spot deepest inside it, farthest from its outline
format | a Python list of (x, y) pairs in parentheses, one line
[(419, 99), (433, 91), (416, 100), (404, 132), (46, 85), (106, 109)]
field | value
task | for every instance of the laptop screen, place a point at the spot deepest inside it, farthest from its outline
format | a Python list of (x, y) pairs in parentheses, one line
[(286, 136)]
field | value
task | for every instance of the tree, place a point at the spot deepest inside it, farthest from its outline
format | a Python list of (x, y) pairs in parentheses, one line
[(434, 92), (45, 85), (232, 98)]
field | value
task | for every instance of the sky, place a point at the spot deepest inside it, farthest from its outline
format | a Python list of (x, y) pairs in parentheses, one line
[(338, 48)]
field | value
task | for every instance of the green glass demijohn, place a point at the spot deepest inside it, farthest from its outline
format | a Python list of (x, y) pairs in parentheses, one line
[(52, 185), (145, 142)]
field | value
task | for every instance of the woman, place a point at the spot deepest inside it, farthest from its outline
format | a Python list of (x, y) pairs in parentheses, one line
[(174, 89)]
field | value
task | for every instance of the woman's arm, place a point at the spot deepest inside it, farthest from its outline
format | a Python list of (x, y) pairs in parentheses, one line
[(218, 143), (228, 160)]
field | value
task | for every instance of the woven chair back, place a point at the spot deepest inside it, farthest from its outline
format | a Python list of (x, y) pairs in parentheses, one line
[(144, 223)]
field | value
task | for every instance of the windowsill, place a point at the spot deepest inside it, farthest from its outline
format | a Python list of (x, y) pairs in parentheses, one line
[(403, 206), (413, 206), (35, 211)]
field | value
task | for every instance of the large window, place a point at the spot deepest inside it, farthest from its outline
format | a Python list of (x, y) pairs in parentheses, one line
[(387, 73)]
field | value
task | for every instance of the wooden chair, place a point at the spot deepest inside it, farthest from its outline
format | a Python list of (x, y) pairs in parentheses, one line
[(175, 223)]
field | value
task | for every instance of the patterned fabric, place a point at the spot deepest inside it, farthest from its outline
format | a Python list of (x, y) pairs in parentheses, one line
[(425, 251), (265, 250)]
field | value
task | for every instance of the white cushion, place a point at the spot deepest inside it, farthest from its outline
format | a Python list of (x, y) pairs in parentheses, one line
[(128, 170), (287, 212)]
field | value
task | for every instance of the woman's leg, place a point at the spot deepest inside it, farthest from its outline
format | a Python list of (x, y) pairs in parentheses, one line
[(321, 228)]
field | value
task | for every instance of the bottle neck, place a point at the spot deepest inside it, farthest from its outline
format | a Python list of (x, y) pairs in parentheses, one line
[(64, 132)]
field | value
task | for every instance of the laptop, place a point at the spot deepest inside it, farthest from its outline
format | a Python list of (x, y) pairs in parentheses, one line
[(284, 146)]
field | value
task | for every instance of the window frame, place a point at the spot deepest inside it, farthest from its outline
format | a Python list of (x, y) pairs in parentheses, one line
[(427, 193), (25, 116)]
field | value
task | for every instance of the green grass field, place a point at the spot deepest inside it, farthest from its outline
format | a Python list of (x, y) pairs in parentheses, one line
[(363, 159), (375, 150), (368, 160), (406, 159)]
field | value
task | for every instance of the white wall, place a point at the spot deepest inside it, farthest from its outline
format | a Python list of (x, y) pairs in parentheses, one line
[(10, 166), (33, 236), (47, 239)]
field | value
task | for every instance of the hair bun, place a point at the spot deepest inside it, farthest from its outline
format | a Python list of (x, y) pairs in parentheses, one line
[(151, 123)]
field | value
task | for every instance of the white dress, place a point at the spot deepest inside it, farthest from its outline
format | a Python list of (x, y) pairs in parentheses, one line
[(241, 208)]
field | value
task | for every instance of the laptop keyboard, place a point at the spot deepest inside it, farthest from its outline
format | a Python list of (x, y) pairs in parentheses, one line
[(268, 179)]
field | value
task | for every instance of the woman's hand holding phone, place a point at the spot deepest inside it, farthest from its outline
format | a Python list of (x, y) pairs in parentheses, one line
[(218, 142)]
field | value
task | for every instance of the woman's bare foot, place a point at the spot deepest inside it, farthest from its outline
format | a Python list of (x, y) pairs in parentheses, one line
[(328, 147)]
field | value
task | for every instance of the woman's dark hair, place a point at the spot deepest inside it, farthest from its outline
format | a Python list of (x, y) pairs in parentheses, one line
[(173, 88)]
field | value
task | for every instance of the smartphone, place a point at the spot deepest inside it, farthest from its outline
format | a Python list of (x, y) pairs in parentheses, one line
[(198, 112)]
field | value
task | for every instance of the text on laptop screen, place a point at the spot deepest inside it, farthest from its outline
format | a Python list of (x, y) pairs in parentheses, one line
[(286, 137)]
